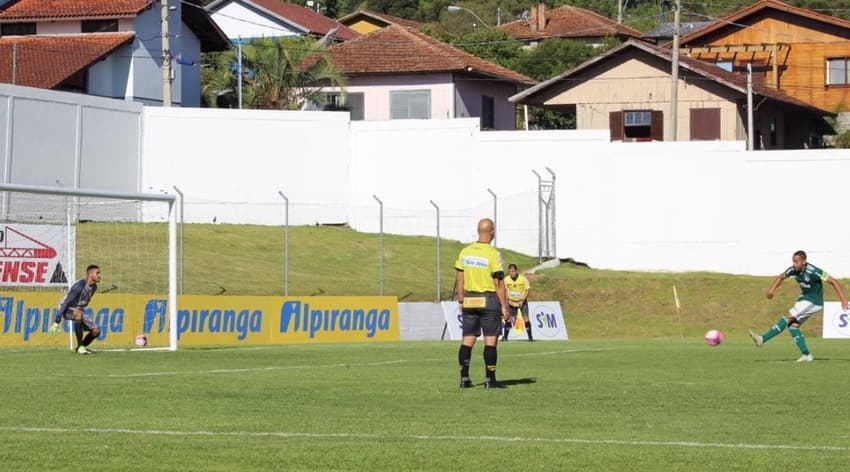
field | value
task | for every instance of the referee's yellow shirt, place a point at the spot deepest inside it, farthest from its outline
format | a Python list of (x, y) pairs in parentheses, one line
[(515, 288), (480, 262)]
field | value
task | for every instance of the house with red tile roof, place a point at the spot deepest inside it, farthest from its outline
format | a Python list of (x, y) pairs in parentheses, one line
[(248, 19), (627, 90), (400, 73), (567, 22), (109, 48)]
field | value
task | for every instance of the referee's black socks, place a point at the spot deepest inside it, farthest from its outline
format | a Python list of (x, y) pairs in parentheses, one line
[(463, 357), (490, 358)]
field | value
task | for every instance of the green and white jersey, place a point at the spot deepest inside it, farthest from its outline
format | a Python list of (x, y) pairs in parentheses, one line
[(810, 280)]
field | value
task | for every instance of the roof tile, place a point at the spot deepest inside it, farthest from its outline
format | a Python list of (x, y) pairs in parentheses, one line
[(570, 22), (44, 9), (316, 23), (47, 61), (396, 50)]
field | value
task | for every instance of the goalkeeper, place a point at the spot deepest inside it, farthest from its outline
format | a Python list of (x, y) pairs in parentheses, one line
[(73, 308), (517, 289)]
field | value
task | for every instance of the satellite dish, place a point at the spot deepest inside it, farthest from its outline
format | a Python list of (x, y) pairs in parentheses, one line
[(524, 15)]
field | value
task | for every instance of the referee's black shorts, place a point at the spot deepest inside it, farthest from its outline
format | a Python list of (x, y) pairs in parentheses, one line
[(512, 309), (486, 320)]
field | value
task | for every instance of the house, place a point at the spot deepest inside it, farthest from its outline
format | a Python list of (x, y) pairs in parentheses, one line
[(105, 47), (804, 54), (567, 22), (628, 89), (400, 73), (367, 21), (246, 19)]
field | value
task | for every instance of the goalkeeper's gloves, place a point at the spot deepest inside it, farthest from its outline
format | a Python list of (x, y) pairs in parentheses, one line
[(53, 329)]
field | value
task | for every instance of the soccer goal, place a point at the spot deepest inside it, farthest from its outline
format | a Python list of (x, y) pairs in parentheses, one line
[(49, 235)]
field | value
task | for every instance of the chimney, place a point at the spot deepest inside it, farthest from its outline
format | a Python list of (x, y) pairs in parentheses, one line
[(532, 19), (541, 16)]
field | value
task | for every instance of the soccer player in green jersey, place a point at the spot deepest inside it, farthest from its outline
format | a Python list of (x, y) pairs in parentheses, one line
[(810, 279)]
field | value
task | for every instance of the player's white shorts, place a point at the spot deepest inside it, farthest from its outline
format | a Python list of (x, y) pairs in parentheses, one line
[(803, 310)]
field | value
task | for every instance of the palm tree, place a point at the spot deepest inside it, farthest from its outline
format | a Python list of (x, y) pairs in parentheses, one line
[(278, 74), (289, 73)]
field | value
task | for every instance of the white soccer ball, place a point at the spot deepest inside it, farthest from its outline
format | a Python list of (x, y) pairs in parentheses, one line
[(713, 337), (141, 340)]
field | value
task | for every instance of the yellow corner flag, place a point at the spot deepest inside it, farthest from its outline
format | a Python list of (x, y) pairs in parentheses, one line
[(676, 297), (519, 324)]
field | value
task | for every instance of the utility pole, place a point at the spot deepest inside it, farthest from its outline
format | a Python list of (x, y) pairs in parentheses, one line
[(14, 62), (620, 7), (674, 74), (239, 72), (166, 56), (750, 132)]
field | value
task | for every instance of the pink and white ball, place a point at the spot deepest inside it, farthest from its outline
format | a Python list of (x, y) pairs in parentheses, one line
[(713, 337), (141, 340)]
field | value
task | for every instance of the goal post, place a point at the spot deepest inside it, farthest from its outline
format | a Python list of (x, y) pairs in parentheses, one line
[(123, 231)]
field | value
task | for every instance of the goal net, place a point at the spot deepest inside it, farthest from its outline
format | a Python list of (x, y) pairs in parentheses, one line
[(48, 236)]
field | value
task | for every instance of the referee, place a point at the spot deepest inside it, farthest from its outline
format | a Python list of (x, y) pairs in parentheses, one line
[(482, 300)]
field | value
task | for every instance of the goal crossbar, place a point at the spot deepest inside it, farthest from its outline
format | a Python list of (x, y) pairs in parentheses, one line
[(172, 201)]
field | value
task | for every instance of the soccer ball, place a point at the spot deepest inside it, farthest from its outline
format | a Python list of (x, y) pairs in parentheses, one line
[(141, 340), (713, 337)]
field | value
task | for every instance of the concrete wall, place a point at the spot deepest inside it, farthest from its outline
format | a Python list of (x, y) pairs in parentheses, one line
[(232, 163), (73, 140), (672, 206)]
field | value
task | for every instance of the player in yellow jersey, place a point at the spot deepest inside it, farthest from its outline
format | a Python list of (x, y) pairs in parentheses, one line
[(481, 290), (517, 290)]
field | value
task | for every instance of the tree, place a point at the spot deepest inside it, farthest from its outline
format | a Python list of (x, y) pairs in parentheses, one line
[(276, 74), (402, 8)]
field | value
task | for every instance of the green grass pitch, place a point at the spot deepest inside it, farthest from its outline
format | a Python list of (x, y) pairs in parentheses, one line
[(607, 405)]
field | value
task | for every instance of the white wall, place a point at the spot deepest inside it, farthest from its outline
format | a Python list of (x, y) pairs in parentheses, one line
[(672, 206), (230, 164)]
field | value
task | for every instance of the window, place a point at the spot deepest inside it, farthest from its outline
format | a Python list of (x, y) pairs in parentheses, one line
[(725, 65), (705, 124), (99, 26), (17, 29), (410, 104), (488, 114), (353, 103), (637, 124), (836, 71)]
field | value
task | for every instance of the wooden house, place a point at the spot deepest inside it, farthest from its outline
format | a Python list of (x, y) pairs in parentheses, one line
[(800, 52)]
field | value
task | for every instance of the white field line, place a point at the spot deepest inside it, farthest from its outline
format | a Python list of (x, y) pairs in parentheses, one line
[(417, 437), (239, 371), (297, 367)]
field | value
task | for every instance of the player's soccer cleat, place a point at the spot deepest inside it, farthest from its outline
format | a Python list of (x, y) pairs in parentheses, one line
[(81, 350), (757, 338), (806, 358), (53, 329), (493, 384), (466, 383)]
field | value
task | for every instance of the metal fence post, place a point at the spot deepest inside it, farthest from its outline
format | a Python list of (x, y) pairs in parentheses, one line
[(438, 248), (180, 241), (539, 217), (380, 244), (553, 214), (495, 215), (286, 248)]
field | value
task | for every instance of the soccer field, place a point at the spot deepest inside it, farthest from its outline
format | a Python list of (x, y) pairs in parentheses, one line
[(576, 405)]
